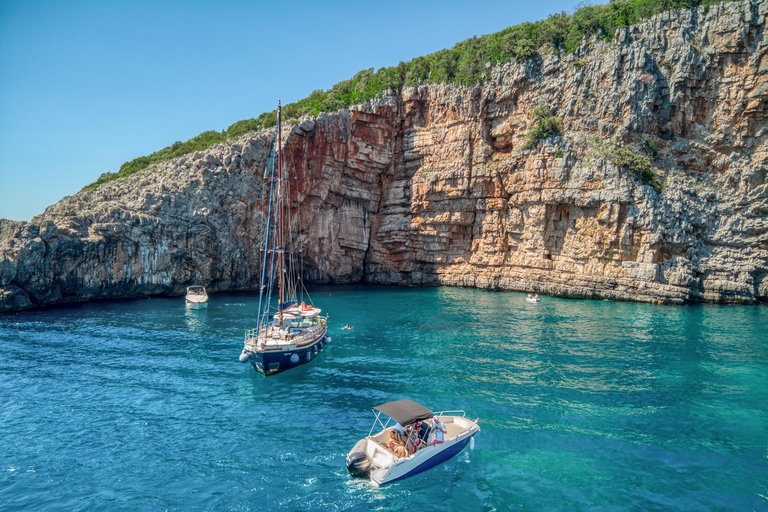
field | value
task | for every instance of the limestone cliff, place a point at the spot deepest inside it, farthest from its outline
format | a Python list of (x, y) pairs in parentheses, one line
[(434, 185)]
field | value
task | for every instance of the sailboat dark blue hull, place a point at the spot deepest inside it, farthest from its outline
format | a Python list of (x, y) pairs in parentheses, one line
[(275, 361)]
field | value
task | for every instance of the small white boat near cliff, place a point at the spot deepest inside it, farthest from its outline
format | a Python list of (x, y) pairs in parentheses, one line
[(372, 458), (196, 298)]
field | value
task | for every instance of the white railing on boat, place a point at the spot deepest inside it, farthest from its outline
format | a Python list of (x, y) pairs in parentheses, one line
[(456, 413), (451, 413)]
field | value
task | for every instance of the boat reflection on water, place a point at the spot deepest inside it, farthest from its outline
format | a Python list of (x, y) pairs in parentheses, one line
[(196, 319)]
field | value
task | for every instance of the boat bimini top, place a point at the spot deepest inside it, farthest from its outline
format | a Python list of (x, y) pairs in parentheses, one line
[(404, 411)]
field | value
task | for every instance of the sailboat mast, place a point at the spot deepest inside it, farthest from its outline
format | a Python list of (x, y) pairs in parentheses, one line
[(280, 213)]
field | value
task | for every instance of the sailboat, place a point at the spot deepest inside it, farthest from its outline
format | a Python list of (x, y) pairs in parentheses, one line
[(289, 333)]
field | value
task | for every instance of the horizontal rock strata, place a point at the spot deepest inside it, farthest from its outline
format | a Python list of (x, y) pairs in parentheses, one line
[(435, 186)]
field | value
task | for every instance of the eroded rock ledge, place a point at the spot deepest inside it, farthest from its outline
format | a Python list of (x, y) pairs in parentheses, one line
[(432, 186)]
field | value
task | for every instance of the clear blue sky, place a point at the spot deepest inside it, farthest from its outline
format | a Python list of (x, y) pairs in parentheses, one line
[(88, 85)]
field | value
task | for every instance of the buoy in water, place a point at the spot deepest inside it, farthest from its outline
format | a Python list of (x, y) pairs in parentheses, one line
[(244, 357), (327, 339), (472, 443), (294, 358), (314, 349), (309, 356)]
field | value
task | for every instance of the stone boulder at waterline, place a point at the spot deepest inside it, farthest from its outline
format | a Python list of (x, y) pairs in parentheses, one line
[(435, 185)]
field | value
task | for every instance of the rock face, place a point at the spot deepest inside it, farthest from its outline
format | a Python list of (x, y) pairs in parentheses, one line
[(434, 186)]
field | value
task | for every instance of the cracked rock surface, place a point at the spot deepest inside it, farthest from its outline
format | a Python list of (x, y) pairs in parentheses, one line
[(433, 186)]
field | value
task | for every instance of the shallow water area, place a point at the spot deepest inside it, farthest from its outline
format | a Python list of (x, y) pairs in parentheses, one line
[(583, 405)]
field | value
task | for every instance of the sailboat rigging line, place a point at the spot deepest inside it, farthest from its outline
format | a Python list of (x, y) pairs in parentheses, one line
[(304, 289), (274, 251), (293, 267), (266, 238), (281, 210), (299, 269)]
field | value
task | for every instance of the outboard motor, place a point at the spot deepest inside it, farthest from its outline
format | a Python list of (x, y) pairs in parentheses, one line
[(358, 464)]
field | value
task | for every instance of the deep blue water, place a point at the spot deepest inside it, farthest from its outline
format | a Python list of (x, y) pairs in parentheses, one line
[(583, 405)]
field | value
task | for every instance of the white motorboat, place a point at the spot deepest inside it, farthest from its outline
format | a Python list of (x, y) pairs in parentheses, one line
[(196, 298), (372, 457)]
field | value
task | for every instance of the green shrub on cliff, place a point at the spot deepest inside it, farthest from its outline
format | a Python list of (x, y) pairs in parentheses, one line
[(178, 148), (629, 159), (468, 63), (649, 177), (546, 125), (649, 148), (636, 163)]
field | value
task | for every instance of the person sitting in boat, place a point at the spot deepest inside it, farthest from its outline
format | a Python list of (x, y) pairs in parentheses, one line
[(536, 297), (439, 429), (414, 437), (395, 445), (530, 296), (402, 435)]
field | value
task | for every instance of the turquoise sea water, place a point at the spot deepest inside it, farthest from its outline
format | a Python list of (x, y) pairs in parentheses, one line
[(583, 405)]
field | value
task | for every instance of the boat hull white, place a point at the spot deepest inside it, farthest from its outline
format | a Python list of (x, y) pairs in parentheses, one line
[(385, 468), (196, 305), (196, 297), (407, 469)]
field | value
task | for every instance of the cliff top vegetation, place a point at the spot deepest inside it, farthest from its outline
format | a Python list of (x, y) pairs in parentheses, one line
[(468, 63)]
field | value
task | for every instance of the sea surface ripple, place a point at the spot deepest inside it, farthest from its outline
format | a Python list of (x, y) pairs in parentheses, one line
[(584, 405)]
